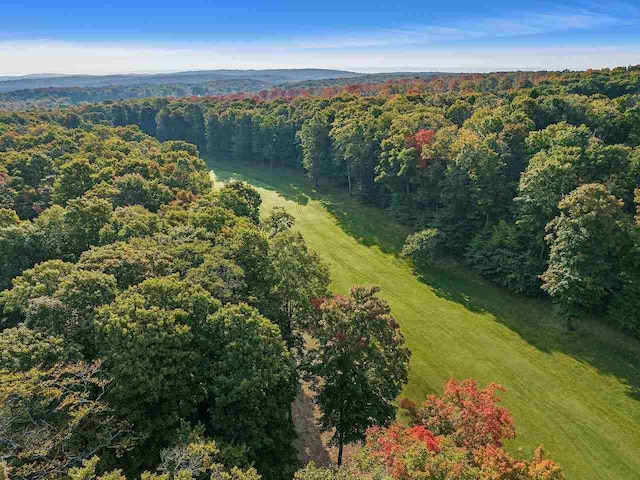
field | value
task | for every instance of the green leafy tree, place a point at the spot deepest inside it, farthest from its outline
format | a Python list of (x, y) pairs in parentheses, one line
[(475, 189), (362, 361), (252, 384), (8, 218), (301, 276), (67, 232), (194, 462), (221, 277), (624, 308), (422, 246), (188, 173), (80, 293), (459, 112), (585, 240), (174, 354), (249, 248), (53, 233), (40, 281), (355, 140), (242, 137), (83, 220), (35, 168), (74, 179), (213, 219), (563, 158), (316, 147), (130, 263), (401, 154), (242, 199), (22, 349), (52, 420), (507, 254), (191, 454), (59, 299), (148, 337), (129, 222), (277, 221), (134, 189), (20, 248)]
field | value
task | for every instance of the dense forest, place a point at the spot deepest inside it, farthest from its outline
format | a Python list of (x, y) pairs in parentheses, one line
[(51, 97), (61, 96), (50, 91), (530, 177), (272, 76), (156, 325)]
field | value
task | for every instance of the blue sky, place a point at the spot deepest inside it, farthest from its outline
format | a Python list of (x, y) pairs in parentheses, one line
[(143, 36)]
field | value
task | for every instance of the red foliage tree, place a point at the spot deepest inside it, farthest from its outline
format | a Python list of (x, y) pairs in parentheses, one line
[(472, 416), (418, 141), (458, 435), (390, 445)]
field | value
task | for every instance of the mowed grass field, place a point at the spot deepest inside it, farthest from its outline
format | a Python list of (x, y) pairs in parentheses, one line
[(576, 392)]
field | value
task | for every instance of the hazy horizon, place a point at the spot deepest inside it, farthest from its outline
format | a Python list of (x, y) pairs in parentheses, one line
[(355, 71)]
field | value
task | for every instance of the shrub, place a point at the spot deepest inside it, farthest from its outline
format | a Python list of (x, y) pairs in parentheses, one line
[(422, 246)]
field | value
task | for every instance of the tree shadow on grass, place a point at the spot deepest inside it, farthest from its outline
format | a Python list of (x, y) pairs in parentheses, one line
[(444, 283), (369, 225), (287, 183), (366, 224), (593, 342), (533, 319)]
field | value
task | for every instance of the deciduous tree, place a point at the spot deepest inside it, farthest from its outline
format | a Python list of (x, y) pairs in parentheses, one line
[(362, 362), (586, 241)]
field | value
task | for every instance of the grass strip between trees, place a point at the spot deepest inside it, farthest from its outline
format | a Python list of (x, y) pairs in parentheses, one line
[(578, 392)]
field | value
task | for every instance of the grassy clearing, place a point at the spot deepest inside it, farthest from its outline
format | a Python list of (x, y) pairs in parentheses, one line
[(577, 393)]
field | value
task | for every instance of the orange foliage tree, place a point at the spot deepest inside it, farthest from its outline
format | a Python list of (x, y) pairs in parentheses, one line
[(456, 436)]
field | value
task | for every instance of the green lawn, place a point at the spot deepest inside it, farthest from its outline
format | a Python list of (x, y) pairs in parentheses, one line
[(577, 393)]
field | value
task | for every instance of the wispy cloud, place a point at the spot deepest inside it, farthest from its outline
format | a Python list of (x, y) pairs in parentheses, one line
[(557, 20)]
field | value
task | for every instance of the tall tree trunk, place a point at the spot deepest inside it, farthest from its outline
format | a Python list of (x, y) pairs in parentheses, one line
[(316, 174), (372, 182), (349, 177), (340, 445)]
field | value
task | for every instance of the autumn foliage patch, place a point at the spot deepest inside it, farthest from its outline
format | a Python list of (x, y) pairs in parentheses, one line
[(457, 435)]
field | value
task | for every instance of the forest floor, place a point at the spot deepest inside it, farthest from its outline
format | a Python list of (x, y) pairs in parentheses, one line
[(311, 444), (577, 392)]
